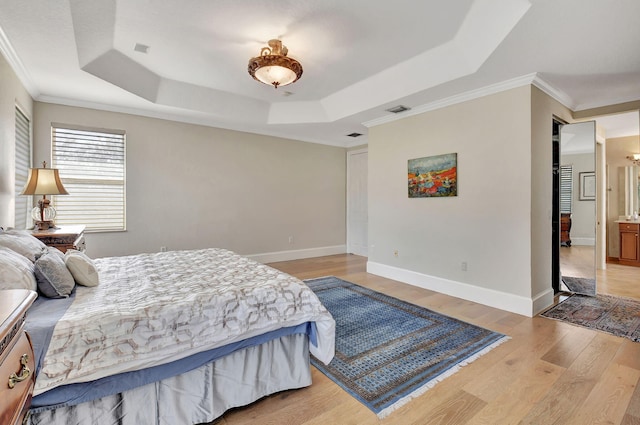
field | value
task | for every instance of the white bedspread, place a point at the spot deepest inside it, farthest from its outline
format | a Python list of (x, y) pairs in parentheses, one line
[(151, 309)]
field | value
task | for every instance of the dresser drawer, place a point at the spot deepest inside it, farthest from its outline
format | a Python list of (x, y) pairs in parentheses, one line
[(629, 227), (15, 401)]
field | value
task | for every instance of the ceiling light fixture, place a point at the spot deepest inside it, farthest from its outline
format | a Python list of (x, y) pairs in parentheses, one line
[(273, 67)]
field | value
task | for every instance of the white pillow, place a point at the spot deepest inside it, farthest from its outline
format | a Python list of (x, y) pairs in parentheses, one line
[(82, 268), (22, 242), (16, 271)]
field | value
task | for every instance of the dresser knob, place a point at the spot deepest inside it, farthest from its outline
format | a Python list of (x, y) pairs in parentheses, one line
[(24, 373)]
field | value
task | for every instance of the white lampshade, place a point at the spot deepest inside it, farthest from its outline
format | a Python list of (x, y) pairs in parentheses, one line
[(44, 181)]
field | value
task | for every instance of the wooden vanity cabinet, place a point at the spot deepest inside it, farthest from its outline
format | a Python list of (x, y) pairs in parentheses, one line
[(629, 244)]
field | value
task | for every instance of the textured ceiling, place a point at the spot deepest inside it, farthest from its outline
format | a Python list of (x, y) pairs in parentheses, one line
[(359, 57)]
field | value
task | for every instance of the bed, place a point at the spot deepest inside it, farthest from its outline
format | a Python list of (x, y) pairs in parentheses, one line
[(173, 338)]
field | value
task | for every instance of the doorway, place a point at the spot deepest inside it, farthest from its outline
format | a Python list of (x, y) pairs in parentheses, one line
[(574, 207), (357, 202)]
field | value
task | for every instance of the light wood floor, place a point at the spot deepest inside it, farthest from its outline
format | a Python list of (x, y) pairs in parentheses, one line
[(550, 372), (617, 280)]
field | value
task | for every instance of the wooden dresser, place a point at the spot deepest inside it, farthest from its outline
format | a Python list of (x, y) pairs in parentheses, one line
[(63, 237), (565, 229), (16, 356), (629, 243)]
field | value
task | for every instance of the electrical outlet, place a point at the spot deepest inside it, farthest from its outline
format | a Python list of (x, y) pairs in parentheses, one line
[(395, 253), (163, 249), (290, 240), (463, 266)]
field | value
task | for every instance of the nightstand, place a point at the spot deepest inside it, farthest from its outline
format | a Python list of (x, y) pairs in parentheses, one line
[(17, 362), (63, 237)]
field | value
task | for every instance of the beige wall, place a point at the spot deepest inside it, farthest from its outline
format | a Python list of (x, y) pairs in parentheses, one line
[(583, 214), (488, 225), (192, 186), (543, 109), (12, 93)]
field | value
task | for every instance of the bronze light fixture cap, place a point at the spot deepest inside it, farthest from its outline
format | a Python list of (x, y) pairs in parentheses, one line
[(273, 67)]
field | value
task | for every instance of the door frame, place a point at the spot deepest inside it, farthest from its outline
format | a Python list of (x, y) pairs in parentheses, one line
[(348, 210)]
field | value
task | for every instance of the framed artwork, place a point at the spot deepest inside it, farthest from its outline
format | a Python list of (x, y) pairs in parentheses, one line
[(587, 186), (433, 176)]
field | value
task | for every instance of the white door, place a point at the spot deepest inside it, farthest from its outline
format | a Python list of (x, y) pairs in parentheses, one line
[(357, 210)]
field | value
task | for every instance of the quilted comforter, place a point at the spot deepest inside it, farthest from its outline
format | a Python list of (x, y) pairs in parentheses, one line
[(152, 309)]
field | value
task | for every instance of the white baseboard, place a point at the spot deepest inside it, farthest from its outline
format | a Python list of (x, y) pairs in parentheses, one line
[(297, 254), (542, 301), (583, 241), (502, 300)]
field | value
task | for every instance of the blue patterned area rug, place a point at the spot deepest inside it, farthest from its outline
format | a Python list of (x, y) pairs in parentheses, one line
[(389, 351)]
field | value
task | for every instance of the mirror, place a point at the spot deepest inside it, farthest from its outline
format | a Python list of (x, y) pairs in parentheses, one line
[(578, 207), (628, 191)]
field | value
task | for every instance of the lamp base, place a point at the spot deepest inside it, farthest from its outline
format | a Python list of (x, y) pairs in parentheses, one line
[(44, 225)]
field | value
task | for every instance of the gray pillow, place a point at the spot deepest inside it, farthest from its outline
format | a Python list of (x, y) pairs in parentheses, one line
[(53, 277), (22, 242)]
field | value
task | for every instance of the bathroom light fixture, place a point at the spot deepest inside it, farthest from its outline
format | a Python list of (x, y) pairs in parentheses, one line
[(273, 67), (635, 158), (44, 181)]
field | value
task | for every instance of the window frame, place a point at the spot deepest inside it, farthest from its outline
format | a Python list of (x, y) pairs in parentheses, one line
[(89, 136)]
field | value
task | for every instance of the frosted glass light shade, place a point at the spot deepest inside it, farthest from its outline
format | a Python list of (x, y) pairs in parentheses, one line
[(279, 74)]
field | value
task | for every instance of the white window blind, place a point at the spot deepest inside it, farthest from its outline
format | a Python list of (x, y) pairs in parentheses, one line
[(23, 204), (566, 188), (92, 169)]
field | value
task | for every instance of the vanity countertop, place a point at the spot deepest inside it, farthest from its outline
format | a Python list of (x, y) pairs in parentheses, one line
[(630, 221)]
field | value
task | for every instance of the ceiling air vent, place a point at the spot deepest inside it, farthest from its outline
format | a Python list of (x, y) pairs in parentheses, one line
[(142, 48), (398, 109), (354, 134)]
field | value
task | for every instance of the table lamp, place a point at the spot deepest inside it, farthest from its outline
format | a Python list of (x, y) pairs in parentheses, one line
[(44, 181)]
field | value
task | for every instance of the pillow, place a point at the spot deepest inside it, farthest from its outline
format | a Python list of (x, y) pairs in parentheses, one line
[(53, 278), (81, 267), (22, 242), (16, 271)]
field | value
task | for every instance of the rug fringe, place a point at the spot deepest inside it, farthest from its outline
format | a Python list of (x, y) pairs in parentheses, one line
[(432, 383)]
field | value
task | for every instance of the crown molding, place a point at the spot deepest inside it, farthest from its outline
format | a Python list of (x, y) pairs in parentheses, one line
[(533, 79), (555, 93), (168, 116), (16, 64)]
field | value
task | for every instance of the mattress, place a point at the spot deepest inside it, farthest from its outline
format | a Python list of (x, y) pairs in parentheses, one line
[(154, 309)]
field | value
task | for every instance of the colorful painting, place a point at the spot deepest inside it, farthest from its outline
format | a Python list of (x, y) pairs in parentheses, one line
[(433, 176)]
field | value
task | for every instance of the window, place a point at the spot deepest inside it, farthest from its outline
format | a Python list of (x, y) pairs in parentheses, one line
[(92, 169), (566, 188), (23, 204)]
